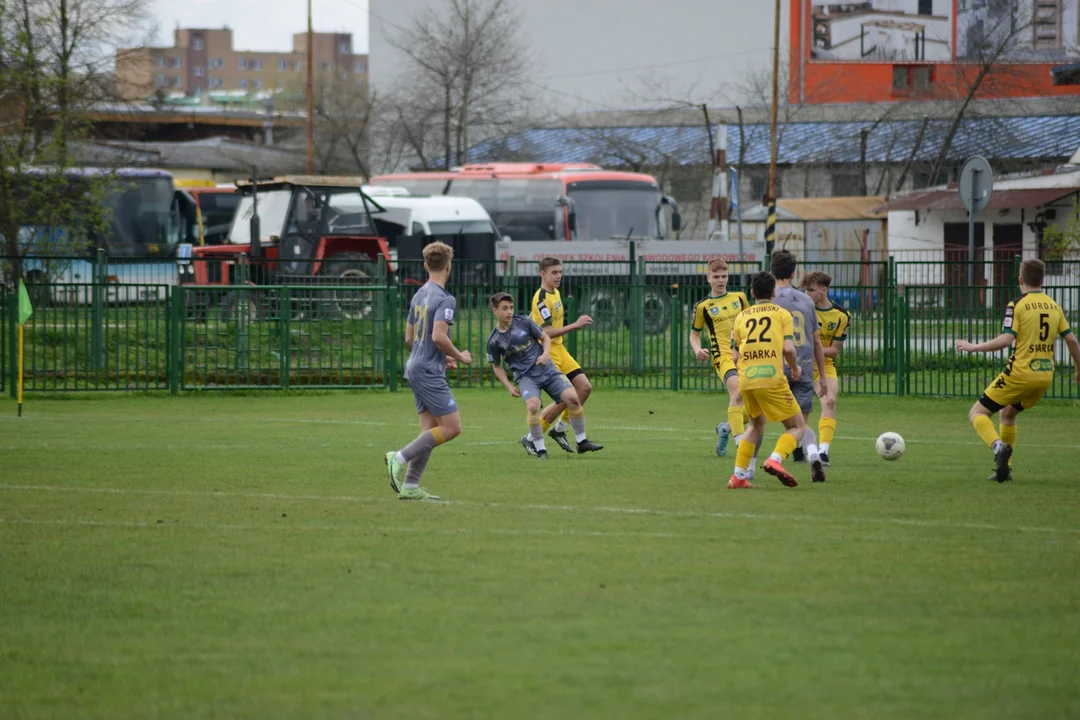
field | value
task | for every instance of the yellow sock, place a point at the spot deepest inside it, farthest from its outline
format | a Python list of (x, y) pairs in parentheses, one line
[(736, 421), (985, 427), (565, 415), (826, 427), (785, 445), (742, 457), (544, 425), (1008, 436), (439, 434)]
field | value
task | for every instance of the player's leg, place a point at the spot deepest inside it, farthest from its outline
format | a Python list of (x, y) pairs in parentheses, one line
[(534, 441), (751, 439), (440, 422), (981, 417), (736, 412), (571, 368), (827, 422), (1007, 431), (780, 405), (570, 398)]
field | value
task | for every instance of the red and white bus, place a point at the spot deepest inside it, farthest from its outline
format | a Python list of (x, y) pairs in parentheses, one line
[(555, 201)]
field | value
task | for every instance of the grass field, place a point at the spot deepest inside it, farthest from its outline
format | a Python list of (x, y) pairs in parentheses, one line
[(243, 556)]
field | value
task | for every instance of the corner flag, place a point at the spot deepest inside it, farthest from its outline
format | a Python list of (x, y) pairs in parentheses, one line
[(26, 309)]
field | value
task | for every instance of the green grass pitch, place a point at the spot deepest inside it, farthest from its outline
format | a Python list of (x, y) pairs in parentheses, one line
[(243, 557)]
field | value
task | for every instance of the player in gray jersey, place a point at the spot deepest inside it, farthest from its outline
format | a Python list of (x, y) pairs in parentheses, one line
[(808, 350), (431, 354), (520, 342)]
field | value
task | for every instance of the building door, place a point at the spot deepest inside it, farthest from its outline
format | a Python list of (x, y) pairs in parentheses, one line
[(957, 262), (1008, 243)]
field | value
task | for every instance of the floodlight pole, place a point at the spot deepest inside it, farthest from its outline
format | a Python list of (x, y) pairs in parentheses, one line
[(770, 226), (311, 94)]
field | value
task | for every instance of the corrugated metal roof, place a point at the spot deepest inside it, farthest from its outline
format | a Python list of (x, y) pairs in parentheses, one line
[(1001, 199), (1006, 138)]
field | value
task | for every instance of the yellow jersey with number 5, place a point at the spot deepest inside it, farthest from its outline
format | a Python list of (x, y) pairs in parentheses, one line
[(1036, 321), (758, 343)]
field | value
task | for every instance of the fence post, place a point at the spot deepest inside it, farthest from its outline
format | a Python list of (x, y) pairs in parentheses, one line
[(13, 343), (240, 289), (390, 368), (175, 304), (636, 313), (570, 315), (97, 311), (901, 345), (676, 336), (887, 333), (284, 314)]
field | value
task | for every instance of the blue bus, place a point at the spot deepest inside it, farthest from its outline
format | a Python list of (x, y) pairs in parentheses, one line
[(140, 231)]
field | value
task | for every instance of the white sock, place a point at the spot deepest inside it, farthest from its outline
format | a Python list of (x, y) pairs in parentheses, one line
[(741, 473), (736, 439), (400, 458), (812, 451), (753, 466), (776, 456), (580, 437), (824, 448), (539, 444), (560, 425)]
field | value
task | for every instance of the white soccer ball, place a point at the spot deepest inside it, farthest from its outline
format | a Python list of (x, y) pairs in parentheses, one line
[(890, 446)]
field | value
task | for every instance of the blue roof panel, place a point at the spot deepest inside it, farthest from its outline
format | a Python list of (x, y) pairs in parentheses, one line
[(1012, 138)]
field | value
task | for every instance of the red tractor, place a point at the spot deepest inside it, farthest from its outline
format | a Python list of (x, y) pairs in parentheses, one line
[(293, 230)]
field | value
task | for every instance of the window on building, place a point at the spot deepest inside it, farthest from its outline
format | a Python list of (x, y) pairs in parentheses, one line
[(178, 82), (324, 66), (161, 81), (258, 83), (215, 63), (361, 67), (198, 71), (197, 44), (297, 66), (912, 78), (900, 79), (242, 63), (176, 62), (922, 79), (282, 65), (759, 185), (343, 48), (256, 64), (846, 184), (159, 61), (214, 82), (243, 83)]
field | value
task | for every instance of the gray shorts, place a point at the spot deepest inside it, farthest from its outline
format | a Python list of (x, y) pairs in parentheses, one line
[(804, 393), (546, 378), (432, 394)]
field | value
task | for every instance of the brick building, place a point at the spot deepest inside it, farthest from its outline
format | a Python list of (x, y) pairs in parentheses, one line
[(202, 60)]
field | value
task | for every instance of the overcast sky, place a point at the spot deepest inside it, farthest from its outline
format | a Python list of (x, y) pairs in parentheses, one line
[(265, 24)]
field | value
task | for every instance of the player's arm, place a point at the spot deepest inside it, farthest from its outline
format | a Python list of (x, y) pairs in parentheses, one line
[(554, 332), (833, 351), (1001, 342), (410, 334), (500, 375), (545, 344), (819, 354), (1074, 349), (695, 334), (791, 358), (735, 340)]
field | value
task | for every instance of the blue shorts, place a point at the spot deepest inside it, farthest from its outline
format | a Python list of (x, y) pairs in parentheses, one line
[(432, 394), (546, 378)]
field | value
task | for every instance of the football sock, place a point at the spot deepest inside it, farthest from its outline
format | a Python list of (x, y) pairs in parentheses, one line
[(424, 443), (985, 427), (824, 448), (1008, 436), (826, 427), (565, 417), (743, 458), (416, 469), (784, 446), (808, 439), (736, 421), (536, 433), (544, 425), (577, 421)]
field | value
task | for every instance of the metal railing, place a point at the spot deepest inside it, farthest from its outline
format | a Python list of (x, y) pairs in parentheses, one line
[(153, 336)]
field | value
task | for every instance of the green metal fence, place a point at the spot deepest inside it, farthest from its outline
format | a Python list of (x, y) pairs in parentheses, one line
[(152, 336)]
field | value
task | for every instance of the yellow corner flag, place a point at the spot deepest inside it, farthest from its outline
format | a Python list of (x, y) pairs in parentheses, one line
[(26, 309)]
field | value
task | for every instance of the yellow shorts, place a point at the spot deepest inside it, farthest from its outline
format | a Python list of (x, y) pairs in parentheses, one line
[(830, 372), (564, 361), (778, 404), (723, 366), (1005, 390)]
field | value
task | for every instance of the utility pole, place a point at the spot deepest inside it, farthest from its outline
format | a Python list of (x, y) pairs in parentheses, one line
[(311, 95), (770, 225)]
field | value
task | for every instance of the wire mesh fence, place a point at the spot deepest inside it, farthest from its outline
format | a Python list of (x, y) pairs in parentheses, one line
[(347, 331)]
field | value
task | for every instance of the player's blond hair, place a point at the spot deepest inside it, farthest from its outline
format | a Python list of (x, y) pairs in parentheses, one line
[(437, 256), (548, 262), (717, 264), (817, 277), (1032, 272)]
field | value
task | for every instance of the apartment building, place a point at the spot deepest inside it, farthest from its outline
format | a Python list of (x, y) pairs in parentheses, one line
[(203, 60)]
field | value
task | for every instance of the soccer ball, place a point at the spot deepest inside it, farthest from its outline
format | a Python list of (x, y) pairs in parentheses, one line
[(890, 446)]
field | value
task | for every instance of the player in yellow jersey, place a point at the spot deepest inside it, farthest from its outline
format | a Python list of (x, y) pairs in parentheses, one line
[(763, 340), (1032, 322), (833, 322), (548, 312), (716, 314)]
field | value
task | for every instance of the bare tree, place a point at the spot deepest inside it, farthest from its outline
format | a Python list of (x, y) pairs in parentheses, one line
[(467, 64), (55, 60)]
